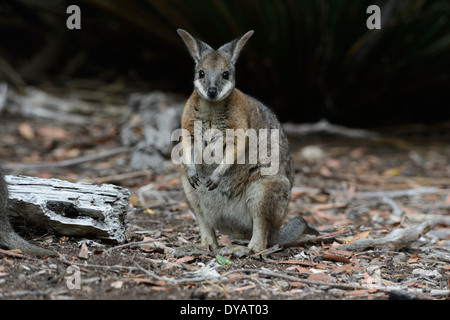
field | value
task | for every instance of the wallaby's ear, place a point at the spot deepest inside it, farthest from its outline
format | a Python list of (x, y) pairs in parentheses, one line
[(196, 48), (233, 48)]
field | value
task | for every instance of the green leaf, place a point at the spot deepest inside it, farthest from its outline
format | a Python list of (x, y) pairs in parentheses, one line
[(224, 261)]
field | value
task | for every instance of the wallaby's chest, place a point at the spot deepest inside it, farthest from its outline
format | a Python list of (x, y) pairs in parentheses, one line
[(210, 131), (211, 120)]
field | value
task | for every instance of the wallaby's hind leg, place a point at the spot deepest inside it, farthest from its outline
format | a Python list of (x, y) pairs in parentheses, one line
[(267, 202)]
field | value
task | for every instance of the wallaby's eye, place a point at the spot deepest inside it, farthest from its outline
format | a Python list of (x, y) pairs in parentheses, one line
[(226, 75), (201, 74)]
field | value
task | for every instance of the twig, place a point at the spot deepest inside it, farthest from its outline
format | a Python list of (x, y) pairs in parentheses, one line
[(21, 293), (207, 273), (151, 274), (395, 193), (323, 126), (68, 162), (123, 176), (396, 211), (14, 254), (344, 286), (316, 240), (86, 265), (132, 244)]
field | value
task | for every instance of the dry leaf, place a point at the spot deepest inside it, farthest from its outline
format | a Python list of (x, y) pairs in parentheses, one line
[(324, 171), (185, 259), (250, 286), (360, 291), (368, 279), (225, 240), (359, 236), (54, 133), (301, 269), (447, 199), (335, 258), (296, 284), (319, 277), (333, 164), (304, 263), (392, 172), (117, 284), (341, 252), (357, 153), (158, 288), (84, 252), (147, 247), (26, 131), (413, 260), (149, 211), (342, 268)]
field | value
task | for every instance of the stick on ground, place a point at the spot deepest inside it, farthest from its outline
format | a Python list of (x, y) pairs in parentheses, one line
[(397, 239)]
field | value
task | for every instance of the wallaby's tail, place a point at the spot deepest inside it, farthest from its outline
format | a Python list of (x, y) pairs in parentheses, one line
[(11, 240), (8, 238), (293, 230)]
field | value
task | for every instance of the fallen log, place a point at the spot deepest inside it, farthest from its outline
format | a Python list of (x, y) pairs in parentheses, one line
[(397, 239), (72, 209)]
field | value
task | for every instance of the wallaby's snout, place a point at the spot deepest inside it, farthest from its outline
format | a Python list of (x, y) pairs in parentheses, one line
[(212, 92), (214, 79)]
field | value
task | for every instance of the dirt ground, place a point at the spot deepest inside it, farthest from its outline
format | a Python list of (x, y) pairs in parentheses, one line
[(336, 183)]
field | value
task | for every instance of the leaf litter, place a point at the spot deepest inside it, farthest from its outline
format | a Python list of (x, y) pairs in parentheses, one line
[(353, 190)]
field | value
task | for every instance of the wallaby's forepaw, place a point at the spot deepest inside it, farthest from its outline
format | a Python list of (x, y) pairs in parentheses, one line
[(235, 250), (211, 184), (194, 180)]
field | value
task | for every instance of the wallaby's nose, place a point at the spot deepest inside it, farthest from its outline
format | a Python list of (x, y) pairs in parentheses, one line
[(212, 92)]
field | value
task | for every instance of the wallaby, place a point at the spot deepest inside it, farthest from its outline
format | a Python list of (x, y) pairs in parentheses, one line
[(8, 238), (235, 198)]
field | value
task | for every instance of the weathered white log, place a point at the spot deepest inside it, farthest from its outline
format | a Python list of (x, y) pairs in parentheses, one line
[(65, 208)]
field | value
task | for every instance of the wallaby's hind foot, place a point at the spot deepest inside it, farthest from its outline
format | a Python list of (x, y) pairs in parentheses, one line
[(293, 230), (235, 250)]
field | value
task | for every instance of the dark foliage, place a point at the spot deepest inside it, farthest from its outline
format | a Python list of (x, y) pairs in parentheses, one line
[(307, 59)]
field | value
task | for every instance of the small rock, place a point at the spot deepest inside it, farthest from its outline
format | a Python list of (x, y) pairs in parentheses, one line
[(312, 153), (400, 258)]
